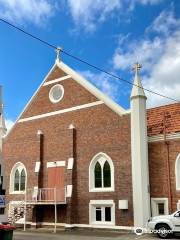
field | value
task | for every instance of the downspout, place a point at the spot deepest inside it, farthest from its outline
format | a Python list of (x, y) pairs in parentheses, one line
[(168, 165)]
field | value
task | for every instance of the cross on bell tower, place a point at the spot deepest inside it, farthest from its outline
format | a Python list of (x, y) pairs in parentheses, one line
[(58, 52), (137, 68)]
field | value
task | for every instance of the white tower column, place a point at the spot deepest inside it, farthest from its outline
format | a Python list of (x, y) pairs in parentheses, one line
[(139, 151), (3, 128), (3, 131)]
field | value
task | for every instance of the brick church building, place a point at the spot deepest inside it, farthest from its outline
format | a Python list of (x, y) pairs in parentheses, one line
[(75, 158)]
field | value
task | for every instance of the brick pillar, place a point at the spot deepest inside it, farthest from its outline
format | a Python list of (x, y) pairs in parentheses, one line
[(71, 176), (40, 159), (38, 176)]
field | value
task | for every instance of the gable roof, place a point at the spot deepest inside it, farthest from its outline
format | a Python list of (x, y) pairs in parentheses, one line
[(83, 82), (156, 116), (91, 88)]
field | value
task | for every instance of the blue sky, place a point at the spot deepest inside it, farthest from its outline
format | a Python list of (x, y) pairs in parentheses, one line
[(112, 34)]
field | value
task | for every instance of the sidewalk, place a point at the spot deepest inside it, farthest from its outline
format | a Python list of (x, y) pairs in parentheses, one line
[(78, 235)]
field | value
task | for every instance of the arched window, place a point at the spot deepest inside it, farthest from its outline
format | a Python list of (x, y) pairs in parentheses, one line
[(98, 175), (177, 172), (23, 180), (107, 174), (101, 173), (18, 178)]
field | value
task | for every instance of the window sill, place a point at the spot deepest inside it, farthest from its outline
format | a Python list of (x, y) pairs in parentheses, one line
[(101, 190), (103, 223), (17, 192)]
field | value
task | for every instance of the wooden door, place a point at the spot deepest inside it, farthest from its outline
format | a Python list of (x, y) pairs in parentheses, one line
[(56, 180)]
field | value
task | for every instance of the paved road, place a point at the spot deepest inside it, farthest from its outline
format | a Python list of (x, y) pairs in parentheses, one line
[(81, 235)]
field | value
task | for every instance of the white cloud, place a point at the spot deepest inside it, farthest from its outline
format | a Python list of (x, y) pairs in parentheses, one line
[(165, 74), (160, 57), (89, 13), (152, 2), (9, 124), (105, 83), (145, 51), (165, 23), (21, 11)]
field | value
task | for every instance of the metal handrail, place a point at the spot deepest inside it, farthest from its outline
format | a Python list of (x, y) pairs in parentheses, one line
[(46, 195)]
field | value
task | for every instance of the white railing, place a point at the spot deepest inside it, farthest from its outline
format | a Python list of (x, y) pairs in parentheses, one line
[(45, 195)]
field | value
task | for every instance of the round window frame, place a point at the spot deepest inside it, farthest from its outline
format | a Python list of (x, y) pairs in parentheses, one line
[(51, 93)]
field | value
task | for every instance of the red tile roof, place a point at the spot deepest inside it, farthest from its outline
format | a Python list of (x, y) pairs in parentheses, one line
[(156, 116)]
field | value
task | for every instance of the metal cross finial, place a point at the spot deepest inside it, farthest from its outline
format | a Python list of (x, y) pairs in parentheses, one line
[(137, 67), (58, 52)]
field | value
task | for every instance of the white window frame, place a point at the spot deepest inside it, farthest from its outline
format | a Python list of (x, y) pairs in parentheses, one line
[(51, 93), (101, 158), (19, 166), (154, 205), (101, 204), (177, 172)]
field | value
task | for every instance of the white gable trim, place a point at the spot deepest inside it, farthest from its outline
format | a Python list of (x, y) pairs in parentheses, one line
[(92, 89), (31, 99), (57, 80), (61, 111), (82, 81)]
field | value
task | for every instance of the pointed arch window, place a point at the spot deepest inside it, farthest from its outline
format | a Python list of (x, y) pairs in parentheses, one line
[(101, 173), (98, 175), (107, 174), (18, 178), (22, 180), (177, 172)]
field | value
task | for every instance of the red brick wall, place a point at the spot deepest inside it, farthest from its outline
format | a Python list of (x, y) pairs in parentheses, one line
[(158, 170), (98, 129), (74, 95)]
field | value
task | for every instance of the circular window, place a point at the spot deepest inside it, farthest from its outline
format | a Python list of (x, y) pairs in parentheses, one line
[(56, 93)]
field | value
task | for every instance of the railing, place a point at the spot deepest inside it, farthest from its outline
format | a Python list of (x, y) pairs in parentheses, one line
[(45, 195)]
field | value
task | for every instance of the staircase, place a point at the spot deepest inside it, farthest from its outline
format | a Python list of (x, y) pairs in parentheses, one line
[(18, 211)]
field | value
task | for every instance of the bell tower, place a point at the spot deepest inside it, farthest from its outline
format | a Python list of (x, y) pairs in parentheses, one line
[(3, 131), (139, 152)]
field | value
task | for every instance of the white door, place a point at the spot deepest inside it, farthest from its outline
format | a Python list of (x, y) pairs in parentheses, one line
[(103, 214)]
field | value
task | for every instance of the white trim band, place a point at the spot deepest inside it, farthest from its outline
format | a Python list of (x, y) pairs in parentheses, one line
[(160, 137), (102, 202), (37, 167), (61, 111), (70, 163), (69, 189), (57, 80), (56, 164)]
